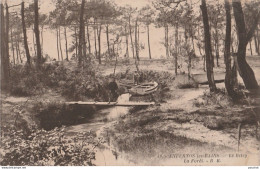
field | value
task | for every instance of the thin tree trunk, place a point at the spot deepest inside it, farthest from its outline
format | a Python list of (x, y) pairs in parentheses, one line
[(126, 39), (42, 40), (108, 47), (12, 45), (34, 42), (131, 38), (7, 39), (258, 41), (66, 43), (61, 53), (167, 41), (84, 43), (115, 61), (176, 48), (37, 33), (217, 48), (208, 51), (25, 36), (76, 38), (138, 37), (19, 51), (189, 54), (99, 44), (95, 37), (57, 39), (16, 48), (136, 41), (89, 45), (149, 46), (81, 31), (245, 70)]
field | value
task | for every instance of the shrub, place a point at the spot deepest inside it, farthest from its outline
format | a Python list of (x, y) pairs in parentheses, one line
[(51, 115), (184, 82), (47, 148), (75, 84)]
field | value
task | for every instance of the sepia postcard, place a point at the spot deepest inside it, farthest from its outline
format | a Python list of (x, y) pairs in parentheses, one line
[(130, 83)]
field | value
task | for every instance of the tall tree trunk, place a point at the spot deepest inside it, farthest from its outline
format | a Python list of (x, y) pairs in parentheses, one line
[(229, 83), (25, 36), (7, 38), (61, 53), (126, 39), (34, 47), (57, 39), (149, 46), (217, 48), (37, 33), (208, 51), (131, 38), (136, 41), (4, 57), (89, 45), (176, 48), (12, 45), (167, 41), (16, 48), (189, 54), (84, 43), (95, 37), (108, 47), (245, 70), (81, 31), (99, 44), (66, 43), (76, 38), (138, 33), (42, 40)]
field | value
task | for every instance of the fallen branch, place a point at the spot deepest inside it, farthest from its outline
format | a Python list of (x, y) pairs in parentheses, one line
[(216, 81)]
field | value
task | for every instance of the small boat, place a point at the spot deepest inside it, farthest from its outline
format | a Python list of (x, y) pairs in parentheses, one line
[(143, 89)]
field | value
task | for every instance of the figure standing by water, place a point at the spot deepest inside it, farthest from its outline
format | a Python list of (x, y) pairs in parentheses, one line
[(136, 78)]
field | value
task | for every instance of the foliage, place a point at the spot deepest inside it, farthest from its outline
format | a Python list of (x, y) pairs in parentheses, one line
[(47, 148), (74, 84), (219, 99), (51, 115), (184, 82)]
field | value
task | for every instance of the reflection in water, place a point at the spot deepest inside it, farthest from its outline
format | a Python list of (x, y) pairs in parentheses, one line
[(102, 120), (107, 156)]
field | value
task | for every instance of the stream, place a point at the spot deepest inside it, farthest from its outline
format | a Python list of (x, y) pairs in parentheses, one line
[(105, 155), (107, 117)]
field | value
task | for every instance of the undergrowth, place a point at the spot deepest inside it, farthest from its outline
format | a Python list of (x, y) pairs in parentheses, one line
[(51, 148), (51, 115), (73, 84)]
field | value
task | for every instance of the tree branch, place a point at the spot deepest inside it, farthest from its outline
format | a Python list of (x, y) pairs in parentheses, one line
[(14, 5), (253, 28)]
